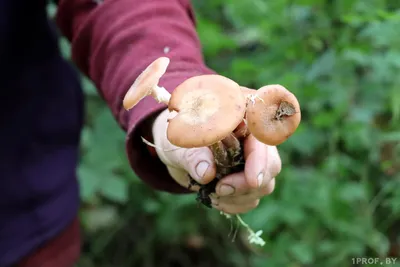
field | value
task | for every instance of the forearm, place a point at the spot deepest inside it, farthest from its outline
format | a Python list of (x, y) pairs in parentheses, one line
[(113, 42)]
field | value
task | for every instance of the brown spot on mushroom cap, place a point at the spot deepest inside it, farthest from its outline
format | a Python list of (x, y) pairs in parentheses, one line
[(209, 108), (144, 83), (262, 119)]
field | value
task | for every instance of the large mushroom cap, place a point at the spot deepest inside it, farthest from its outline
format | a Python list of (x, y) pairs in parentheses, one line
[(209, 108), (144, 83), (274, 115)]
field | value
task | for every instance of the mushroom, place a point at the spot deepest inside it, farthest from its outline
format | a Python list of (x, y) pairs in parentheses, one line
[(273, 114), (241, 131), (209, 107), (147, 84), (247, 91)]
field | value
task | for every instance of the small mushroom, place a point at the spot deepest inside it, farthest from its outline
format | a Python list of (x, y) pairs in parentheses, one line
[(273, 114), (209, 108), (147, 84)]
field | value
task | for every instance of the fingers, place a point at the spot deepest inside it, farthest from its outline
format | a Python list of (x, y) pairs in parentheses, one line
[(241, 192), (198, 162), (248, 196), (262, 162), (235, 204), (262, 165), (235, 185), (181, 177), (237, 209), (256, 157)]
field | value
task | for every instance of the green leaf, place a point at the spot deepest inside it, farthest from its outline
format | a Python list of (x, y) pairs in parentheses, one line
[(395, 102), (96, 219), (88, 87), (115, 188), (107, 150), (302, 252), (322, 66), (353, 192), (89, 182)]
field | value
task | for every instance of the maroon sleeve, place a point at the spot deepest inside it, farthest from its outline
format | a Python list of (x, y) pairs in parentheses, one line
[(113, 41)]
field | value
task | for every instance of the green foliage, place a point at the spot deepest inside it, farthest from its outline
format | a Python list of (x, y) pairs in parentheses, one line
[(337, 196)]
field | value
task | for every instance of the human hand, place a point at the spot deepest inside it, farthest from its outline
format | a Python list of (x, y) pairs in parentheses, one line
[(235, 193)]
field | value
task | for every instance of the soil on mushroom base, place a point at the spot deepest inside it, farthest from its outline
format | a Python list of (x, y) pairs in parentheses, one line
[(228, 160)]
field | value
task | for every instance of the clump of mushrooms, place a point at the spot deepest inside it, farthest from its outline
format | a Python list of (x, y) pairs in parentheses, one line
[(214, 111), (209, 108)]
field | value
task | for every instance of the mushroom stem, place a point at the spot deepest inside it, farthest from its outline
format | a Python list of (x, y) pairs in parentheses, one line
[(220, 154), (160, 94), (147, 84), (233, 148), (241, 131)]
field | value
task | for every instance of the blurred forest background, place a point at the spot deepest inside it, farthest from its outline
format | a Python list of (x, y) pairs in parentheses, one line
[(338, 195)]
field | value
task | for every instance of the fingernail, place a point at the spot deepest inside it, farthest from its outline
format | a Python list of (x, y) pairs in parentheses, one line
[(201, 168), (260, 178), (226, 190)]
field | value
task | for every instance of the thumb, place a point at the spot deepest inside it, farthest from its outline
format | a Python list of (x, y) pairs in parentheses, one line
[(197, 162)]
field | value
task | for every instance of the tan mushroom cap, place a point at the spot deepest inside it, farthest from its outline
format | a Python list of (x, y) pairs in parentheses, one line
[(261, 114), (209, 108), (144, 83), (247, 91)]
